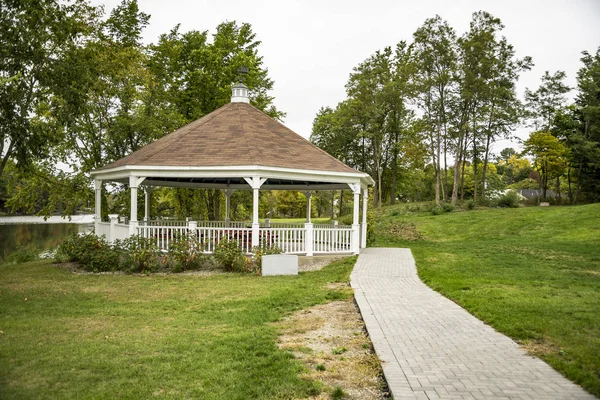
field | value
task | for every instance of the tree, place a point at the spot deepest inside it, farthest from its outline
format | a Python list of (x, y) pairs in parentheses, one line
[(547, 100), (436, 63), (549, 156), (34, 36), (488, 106), (586, 142)]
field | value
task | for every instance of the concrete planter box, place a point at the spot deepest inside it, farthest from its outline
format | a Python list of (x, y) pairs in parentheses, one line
[(280, 264)]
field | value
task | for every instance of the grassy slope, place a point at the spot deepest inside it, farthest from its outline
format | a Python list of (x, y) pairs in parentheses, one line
[(532, 273), (177, 336)]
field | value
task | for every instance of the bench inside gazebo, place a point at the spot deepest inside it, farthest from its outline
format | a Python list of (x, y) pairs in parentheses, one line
[(236, 147)]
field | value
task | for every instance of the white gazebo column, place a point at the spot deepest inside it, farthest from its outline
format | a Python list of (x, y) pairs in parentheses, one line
[(255, 183), (308, 226), (147, 202), (355, 221), (363, 230), (308, 195), (98, 204), (134, 183), (228, 193)]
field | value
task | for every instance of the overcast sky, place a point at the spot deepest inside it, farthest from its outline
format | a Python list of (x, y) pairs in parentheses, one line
[(310, 47)]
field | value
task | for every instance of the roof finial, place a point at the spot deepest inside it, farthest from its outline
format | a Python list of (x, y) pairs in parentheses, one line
[(239, 92)]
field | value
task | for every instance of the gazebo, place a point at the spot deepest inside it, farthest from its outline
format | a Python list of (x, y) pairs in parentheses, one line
[(237, 147)]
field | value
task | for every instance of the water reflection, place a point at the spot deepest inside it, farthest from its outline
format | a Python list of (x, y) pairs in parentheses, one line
[(39, 236)]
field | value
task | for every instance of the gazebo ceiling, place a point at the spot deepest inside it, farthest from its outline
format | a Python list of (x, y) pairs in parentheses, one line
[(240, 183)]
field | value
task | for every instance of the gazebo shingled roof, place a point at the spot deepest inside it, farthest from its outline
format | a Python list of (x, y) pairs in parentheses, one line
[(235, 134)]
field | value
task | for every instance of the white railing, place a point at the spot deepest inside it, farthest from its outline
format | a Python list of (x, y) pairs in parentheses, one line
[(289, 240), (224, 224), (103, 228), (211, 237), (164, 235), (163, 222), (323, 238), (286, 225), (332, 240)]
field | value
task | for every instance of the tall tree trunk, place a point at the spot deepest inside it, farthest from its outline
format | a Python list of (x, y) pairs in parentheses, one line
[(544, 180), (436, 169), (380, 191), (569, 182), (558, 197), (341, 203), (474, 170), (6, 157), (394, 171), (445, 185), (485, 164), (457, 163), (464, 163), (579, 170), (439, 168), (578, 187)]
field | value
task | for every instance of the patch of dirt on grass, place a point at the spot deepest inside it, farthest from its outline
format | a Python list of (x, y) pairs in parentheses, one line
[(315, 263), (403, 230), (330, 340), (539, 348)]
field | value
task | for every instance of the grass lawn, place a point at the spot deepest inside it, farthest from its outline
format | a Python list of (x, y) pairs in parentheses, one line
[(532, 273), (66, 335)]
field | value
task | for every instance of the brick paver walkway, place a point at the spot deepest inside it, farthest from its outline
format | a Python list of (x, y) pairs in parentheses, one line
[(431, 348)]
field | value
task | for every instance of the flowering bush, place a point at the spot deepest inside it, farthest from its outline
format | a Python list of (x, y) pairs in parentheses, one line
[(230, 255)]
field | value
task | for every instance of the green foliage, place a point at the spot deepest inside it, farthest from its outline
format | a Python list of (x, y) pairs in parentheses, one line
[(186, 253), (93, 253), (34, 36), (437, 210), (230, 255), (140, 254), (24, 254), (470, 205), (550, 156), (447, 207), (320, 367), (338, 394), (370, 228), (509, 199)]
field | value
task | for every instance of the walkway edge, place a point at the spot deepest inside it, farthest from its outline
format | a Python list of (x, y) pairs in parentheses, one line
[(397, 383)]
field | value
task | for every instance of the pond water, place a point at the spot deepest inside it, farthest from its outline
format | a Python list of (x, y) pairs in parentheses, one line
[(39, 236)]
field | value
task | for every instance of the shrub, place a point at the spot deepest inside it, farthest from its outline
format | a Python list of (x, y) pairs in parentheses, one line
[(470, 205), (229, 254), (413, 208), (140, 254), (185, 253), (75, 247), (510, 199), (447, 207), (93, 253), (437, 210), (23, 254)]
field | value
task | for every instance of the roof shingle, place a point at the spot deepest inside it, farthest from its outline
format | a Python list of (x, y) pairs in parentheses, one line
[(236, 134)]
